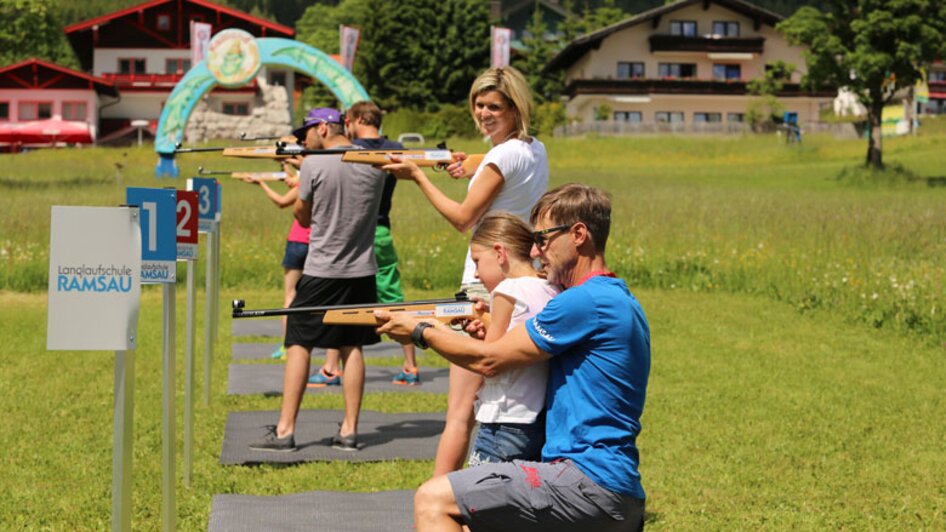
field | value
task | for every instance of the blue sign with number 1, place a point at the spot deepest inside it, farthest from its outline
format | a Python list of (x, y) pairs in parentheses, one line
[(158, 208)]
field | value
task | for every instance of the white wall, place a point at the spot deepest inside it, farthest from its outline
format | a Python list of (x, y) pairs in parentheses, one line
[(56, 96), (105, 60)]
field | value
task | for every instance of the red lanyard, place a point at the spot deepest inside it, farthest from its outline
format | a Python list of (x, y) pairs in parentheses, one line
[(595, 273)]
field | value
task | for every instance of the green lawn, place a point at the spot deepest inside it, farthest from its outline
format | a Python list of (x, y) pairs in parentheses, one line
[(797, 330), (756, 417)]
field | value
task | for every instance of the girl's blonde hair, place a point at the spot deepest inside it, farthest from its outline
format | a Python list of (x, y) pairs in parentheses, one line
[(508, 230), (513, 86)]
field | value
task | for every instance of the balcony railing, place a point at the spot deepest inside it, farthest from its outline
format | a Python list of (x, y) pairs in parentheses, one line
[(677, 43), (675, 86), (143, 80)]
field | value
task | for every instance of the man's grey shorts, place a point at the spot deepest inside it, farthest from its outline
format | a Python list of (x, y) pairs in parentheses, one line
[(521, 495)]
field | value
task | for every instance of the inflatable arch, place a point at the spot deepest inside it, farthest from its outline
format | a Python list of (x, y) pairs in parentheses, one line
[(233, 59)]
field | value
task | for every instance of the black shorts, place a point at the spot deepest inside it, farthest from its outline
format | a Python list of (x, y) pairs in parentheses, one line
[(308, 331)]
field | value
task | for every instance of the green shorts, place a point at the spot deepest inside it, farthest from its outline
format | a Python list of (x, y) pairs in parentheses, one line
[(388, 279)]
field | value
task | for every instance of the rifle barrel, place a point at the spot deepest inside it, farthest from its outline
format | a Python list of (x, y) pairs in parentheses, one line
[(239, 312)]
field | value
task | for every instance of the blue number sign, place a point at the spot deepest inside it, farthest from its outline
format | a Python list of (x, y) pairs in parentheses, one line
[(206, 202), (158, 208)]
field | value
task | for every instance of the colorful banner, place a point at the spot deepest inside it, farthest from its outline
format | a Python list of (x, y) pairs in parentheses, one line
[(922, 88), (349, 45), (94, 278), (501, 39), (200, 40)]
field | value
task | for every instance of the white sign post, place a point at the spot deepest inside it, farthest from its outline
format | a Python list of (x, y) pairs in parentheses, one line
[(159, 265), (207, 205), (94, 295)]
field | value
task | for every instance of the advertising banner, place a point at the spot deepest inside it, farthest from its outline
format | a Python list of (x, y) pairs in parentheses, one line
[(349, 45), (186, 225), (501, 39), (158, 240), (94, 278), (206, 190), (200, 40)]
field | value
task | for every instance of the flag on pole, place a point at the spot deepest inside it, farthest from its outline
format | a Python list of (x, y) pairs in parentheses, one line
[(349, 45), (501, 37), (200, 39)]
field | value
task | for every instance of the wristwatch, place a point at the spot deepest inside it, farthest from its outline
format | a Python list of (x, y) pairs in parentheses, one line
[(417, 335)]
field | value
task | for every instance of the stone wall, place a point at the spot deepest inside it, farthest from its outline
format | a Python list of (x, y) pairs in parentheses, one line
[(269, 117)]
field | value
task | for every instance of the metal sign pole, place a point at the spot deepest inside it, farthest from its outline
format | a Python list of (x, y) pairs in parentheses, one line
[(208, 318), (216, 301), (190, 339), (121, 440), (168, 418)]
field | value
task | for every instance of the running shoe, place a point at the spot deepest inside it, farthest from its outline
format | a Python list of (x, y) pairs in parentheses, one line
[(344, 443), (407, 377), (279, 352), (324, 378), (272, 443)]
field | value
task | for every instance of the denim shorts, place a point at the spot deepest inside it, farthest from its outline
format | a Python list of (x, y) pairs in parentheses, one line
[(296, 252), (505, 442)]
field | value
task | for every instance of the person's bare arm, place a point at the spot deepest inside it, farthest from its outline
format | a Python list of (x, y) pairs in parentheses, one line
[(462, 215), (302, 210), (281, 200), (515, 349)]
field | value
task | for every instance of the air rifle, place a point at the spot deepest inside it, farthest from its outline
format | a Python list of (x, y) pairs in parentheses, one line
[(439, 157), (445, 310), (259, 176)]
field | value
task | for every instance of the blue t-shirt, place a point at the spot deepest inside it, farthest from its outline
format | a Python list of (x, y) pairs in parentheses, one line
[(600, 345)]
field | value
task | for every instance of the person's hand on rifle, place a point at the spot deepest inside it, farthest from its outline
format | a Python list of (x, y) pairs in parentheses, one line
[(295, 161), (477, 328), (456, 169), (403, 168), (399, 325), (251, 180), (292, 175)]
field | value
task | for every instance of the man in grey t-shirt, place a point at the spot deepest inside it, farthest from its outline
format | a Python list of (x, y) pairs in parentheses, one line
[(339, 201)]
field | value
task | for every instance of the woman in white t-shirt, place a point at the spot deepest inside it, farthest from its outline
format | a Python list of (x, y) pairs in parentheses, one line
[(510, 406), (511, 177)]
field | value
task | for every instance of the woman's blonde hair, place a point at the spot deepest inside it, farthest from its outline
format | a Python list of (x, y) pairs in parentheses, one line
[(513, 86), (506, 229)]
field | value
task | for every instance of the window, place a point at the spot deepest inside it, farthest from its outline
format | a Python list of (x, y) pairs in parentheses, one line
[(277, 78), (683, 28), (938, 75), (630, 70), (164, 22), (724, 72), (676, 70), (708, 117), (726, 28), (735, 118), (236, 108), (35, 110), (131, 66), (633, 117), (177, 66), (669, 117), (74, 111), (4, 110)]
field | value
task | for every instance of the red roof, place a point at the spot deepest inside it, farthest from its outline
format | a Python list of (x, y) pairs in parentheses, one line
[(138, 27), (279, 28), (38, 74)]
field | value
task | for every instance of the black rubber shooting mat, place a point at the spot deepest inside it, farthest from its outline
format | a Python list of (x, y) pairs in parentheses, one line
[(380, 437), (267, 379), (336, 511), (262, 351), (257, 327)]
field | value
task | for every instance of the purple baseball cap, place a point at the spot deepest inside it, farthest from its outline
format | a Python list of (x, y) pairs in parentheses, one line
[(317, 116)]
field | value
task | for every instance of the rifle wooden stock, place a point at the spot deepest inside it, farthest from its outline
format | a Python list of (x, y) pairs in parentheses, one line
[(444, 310), (424, 158), (254, 152), (261, 176)]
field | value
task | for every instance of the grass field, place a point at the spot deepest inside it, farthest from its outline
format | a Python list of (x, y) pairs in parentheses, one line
[(797, 331)]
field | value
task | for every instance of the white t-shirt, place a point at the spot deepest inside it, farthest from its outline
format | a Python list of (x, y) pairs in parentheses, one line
[(525, 170), (518, 395)]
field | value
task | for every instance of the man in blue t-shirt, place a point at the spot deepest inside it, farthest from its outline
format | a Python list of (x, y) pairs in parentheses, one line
[(597, 341)]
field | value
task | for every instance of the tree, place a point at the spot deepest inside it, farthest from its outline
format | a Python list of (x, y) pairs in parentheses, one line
[(540, 49), (31, 28), (871, 47), (766, 108)]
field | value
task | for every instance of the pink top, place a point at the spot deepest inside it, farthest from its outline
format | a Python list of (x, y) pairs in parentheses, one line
[(298, 233)]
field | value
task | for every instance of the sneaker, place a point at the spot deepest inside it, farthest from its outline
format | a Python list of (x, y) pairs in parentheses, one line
[(344, 443), (279, 352), (407, 377), (272, 443), (324, 378)]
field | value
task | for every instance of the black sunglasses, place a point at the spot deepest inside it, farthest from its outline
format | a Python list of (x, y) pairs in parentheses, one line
[(540, 238)]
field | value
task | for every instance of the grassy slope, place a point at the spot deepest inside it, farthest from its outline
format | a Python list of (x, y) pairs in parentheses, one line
[(756, 417)]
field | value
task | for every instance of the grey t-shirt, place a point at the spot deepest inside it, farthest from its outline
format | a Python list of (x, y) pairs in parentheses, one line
[(345, 199)]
